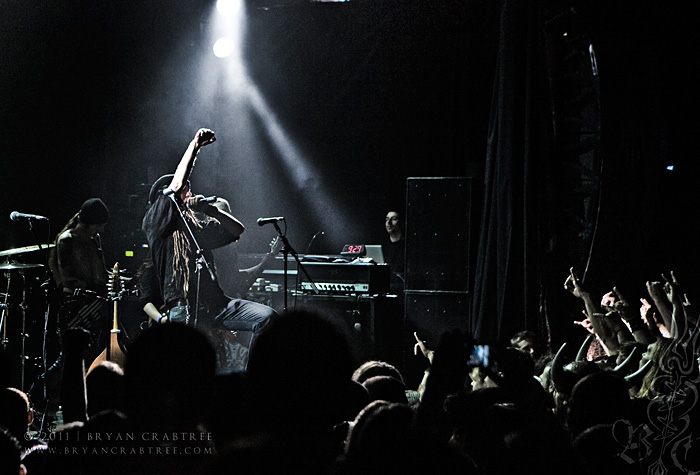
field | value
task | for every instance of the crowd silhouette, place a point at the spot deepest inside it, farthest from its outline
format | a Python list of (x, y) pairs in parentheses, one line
[(623, 402)]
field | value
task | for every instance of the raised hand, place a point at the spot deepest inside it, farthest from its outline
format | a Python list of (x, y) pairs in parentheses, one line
[(204, 137), (608, 300), (656, 290), (691, 312), (671, 289), (573, 284), (586, 323), (420, 345), (658, 295), (622, 305), (657, 329), (645, 309)]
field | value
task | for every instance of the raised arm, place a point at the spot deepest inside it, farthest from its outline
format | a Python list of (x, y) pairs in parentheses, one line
[(633, 319), (658, 296), (691, 313), (679, 325), (184, 168), (594, 312), (574, 285)]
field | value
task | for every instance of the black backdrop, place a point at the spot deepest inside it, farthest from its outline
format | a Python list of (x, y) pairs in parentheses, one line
[(103, 98), (99, 98)]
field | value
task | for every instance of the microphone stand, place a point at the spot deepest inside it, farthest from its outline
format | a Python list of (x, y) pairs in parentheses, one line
[(50, 289), (286, 250), (50, 285), (201, 259)]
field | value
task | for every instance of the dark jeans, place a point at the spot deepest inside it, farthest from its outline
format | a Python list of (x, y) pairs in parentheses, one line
[(238, 315), (244, 315)]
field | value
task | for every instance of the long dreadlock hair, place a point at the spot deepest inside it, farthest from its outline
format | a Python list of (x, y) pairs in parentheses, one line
[(182, 249)]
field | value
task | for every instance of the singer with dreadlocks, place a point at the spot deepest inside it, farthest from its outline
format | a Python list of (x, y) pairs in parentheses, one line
[(182, 229)]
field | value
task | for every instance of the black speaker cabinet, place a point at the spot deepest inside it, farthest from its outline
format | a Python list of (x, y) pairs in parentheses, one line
[(373, 324), (430, 314), (438, 233)]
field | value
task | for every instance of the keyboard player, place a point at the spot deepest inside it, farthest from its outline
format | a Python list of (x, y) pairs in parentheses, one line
[(394, 250)]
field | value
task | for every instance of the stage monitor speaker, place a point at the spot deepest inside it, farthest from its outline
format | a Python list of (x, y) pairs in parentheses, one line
[(430, 314), (438, 214), (373, 324)]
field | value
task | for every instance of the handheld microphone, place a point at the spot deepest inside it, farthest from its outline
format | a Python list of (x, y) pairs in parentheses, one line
[(15, 216), (264, 221)]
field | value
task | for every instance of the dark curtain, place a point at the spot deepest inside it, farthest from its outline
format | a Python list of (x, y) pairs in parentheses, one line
[(507, 289), (549, 200)]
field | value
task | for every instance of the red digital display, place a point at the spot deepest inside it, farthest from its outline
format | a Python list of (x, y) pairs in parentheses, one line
[(353, 249)]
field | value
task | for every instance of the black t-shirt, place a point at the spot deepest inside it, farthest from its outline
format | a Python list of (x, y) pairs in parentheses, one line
[(149, 285), (394, 253), (161, 223)]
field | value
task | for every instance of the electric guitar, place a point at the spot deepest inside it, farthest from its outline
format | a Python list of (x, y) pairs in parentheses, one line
[(256, 271)]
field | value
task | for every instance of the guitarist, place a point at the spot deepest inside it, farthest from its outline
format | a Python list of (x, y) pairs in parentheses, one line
[(174, 216), (78, 269), (247, 277), (76, 260)]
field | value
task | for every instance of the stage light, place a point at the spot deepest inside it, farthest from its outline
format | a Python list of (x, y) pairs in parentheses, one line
[(228, 7), (224, 47), (670, 168), (226, 85)]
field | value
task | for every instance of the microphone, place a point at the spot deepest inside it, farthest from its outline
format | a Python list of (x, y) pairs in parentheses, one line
[(264, 221), (15, 216), (312, 241)]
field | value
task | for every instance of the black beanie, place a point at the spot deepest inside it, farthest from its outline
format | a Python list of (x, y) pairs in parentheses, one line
[(93, 211)]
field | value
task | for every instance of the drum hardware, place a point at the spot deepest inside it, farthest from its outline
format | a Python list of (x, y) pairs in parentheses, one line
[(3, 319), (8, 267), (4, 312), (23, 250), (23, 341), (11, 265)]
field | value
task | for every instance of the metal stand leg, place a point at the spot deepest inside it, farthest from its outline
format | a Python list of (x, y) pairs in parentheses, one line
[(4, 312), (3, 327), (23, 340)]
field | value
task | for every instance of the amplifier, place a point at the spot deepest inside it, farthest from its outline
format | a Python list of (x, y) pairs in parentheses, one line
[(372, 324), (346, 278), (333, 287)]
